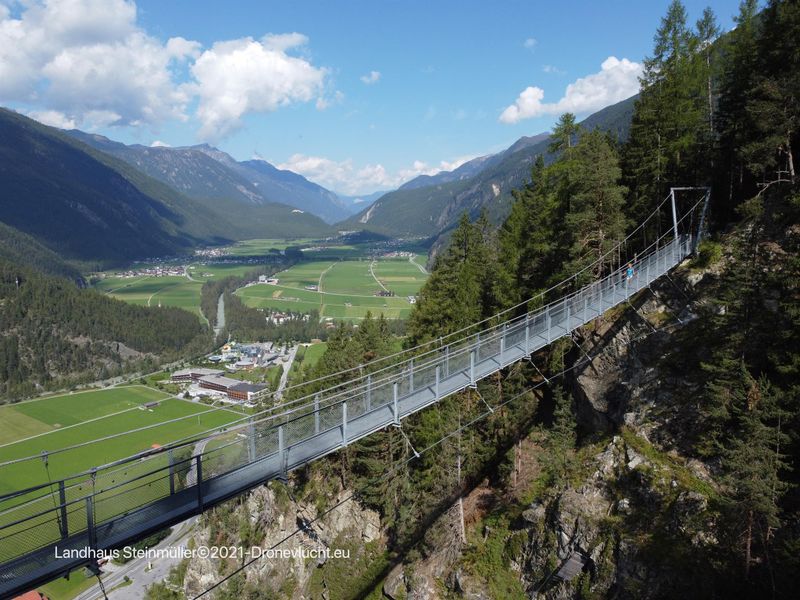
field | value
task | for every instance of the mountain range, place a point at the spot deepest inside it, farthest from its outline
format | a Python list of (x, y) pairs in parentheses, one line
[(429, 206), (74, 199), (205, 173), (93, 207)]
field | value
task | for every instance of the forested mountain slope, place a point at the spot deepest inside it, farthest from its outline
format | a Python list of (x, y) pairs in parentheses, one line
[(95, 209), (53, 334), (85, 205), (429, 210), (21, 249), (209, 175)]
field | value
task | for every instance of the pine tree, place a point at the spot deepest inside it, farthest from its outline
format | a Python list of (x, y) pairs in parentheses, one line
[(773, 105), (753, 463), (565, 134), (738, 70), (595, 222), (461, 281), (669, 142)]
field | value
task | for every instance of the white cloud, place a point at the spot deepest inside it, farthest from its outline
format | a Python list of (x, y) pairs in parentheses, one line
[(530, 43), (371, 77), (160, 144), (281, 42), (616, 81), (324, 102), (348, 178), (552, 70), (237, 77), (53, 118), (88, 60)]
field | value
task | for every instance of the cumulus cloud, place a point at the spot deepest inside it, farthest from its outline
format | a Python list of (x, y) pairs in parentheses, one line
[(530, 43), (616, 80), (371, 77), (237, 77), (53, 118), (348, 178), (87, 63), (88, 60)]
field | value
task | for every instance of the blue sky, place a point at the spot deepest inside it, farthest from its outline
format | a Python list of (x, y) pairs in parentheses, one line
[(363, 96)]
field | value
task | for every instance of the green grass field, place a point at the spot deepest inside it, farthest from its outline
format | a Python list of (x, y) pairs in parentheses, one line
[(171, 290), (346, 288), (102, 407), (400, 275), (52, 413), (262, 247)]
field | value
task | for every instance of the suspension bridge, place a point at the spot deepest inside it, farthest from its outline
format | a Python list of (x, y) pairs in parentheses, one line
[(50, 529)]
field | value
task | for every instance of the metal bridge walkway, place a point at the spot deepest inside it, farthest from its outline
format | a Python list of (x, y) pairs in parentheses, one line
[(109, 508)]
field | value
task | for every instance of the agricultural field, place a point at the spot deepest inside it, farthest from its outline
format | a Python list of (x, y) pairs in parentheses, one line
[(346, 289), (71, 419), (262, 247), (183, 292), (402, 276), (35, 417)]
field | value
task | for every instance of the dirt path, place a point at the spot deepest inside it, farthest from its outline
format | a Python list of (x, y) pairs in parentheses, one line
[(416, 264), (372, 272)]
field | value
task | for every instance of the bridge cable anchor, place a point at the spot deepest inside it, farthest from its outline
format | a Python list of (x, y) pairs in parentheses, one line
[(579, 347), (542, 375), (491, 410), (408, 441)]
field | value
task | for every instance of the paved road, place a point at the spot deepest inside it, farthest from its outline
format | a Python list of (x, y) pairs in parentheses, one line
[(191, 476), (220, 315), (137, 569), (285, 376)]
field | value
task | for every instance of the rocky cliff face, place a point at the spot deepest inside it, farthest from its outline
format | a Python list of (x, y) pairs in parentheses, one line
[(266, 519)]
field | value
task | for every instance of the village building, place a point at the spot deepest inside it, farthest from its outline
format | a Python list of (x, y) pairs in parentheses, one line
[(193, 374), (235, 390)]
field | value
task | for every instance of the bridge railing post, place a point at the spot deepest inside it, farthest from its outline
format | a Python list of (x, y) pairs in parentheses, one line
[(171, 460), (283, 453), (410, 375), (62, 500), (472, 367), (503, 340), (251, 440), (585, 306), (369, 392), (436, 383), (447, 361), (395, 404), (316, 413), (90, 525), (547, 325), (198, 466), (527, 333), (344, 423)]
